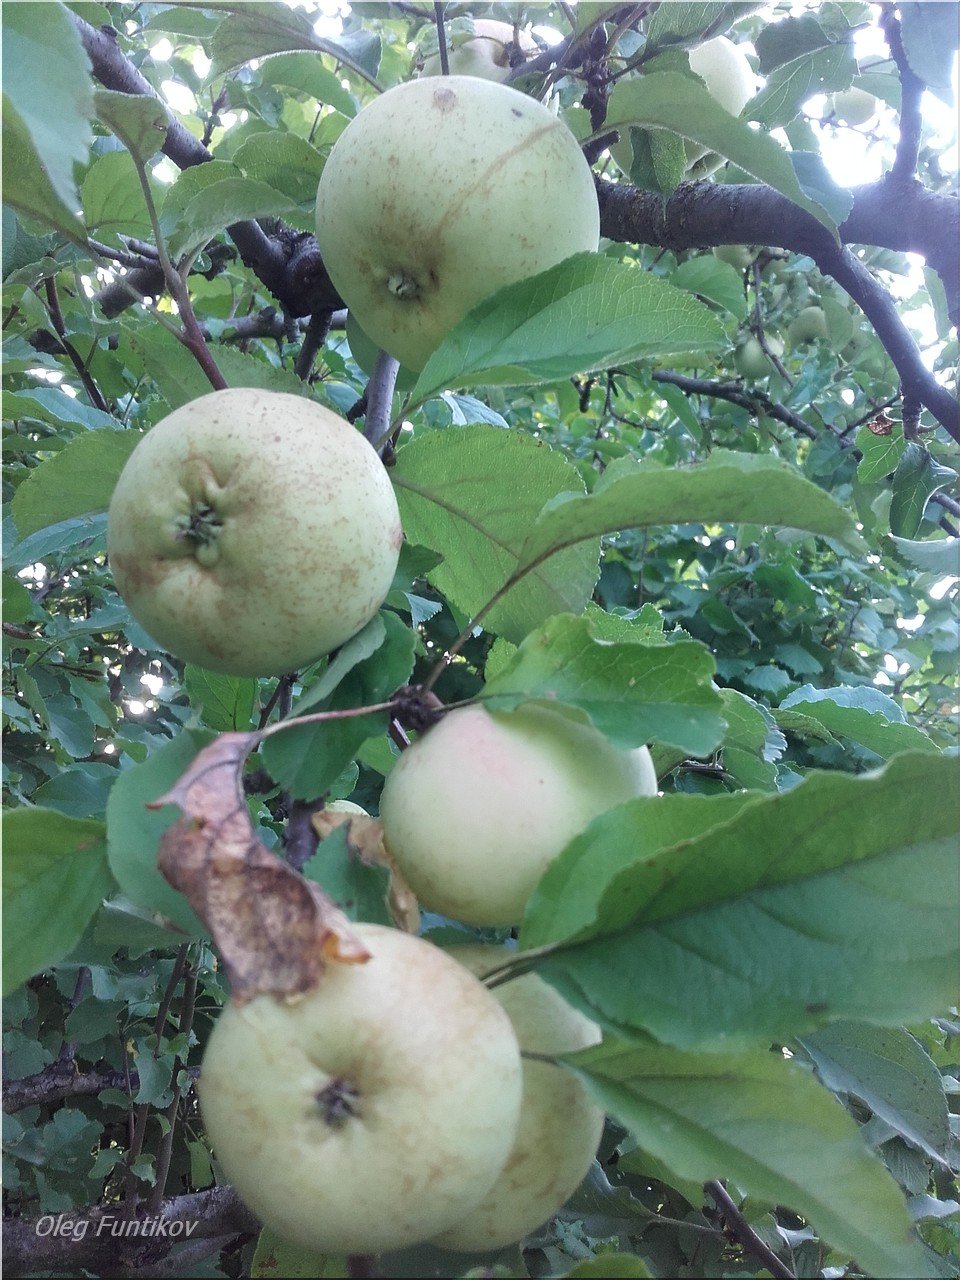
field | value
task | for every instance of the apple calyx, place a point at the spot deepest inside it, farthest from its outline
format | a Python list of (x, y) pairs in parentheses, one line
[(339, 1102), (403, 286), (201, 528)]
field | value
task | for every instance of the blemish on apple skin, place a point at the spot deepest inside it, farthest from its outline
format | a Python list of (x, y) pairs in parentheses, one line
[(444, 100)]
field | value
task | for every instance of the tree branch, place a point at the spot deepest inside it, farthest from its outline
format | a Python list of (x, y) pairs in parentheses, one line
[(379, 393), (217, 1212), (702, 213), (733, 392), (911, 91), (745, 1235)]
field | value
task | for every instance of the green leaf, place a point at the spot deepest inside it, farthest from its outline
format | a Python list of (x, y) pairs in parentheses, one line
[(113, 198), (676, 23), (765, 1125), (658, 159), (891, 1073), (845, 714), (254, 29), (714, 280), (933, 556), (670, 100), (48, 94), (49, 404), (751, 742), (822, 71), (586, 313), (930, 43), (360, 890), (727, 488), (55, 875), (134, 831), (275, 1257), (472, 494), (881, 454), (224, 703), (307, 760), (608, 1266), (189, 184), (283, 161), (306, 72), (26, 184), (834, 900), (76, 481), (222, 203), (917, 478), (631, 691), (139, 121)]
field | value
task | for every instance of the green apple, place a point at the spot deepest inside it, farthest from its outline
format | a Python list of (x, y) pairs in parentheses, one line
[(484, 53), (808, 325), (726, 71), (737, 255), (476, 810), (253, 531), (853, 106), (373, 1113), (752, 361), (440, 192), (559, 1128)]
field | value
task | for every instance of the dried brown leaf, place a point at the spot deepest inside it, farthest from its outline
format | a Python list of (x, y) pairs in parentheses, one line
[(274, 929)]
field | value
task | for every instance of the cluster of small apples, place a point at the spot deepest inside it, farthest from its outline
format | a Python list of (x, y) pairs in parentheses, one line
[(410, 1102)]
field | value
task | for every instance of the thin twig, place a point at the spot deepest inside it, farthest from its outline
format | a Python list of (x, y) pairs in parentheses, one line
[(744, 1233), (441, 38), (83, 373)]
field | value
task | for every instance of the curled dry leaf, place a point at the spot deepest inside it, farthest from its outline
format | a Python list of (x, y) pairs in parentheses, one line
[(365, 841), (274, 929)]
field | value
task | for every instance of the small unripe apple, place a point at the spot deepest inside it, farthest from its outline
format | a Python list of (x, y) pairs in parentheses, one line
[(559, 1128), (752, 361), (374, 1112), (726, 71), (486, 53), (476, 810), (808, 325), (252, 531), (737, 255), (440, 192), (853, 106)]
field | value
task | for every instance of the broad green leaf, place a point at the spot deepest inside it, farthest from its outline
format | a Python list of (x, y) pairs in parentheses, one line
[(356, 650), (307, 760), (586, 313), (567, 903), (306, 72), (933, 556), (714, 280), (26, 184), (134, 831), (55, 875), (633, 692), (917, 478), (765, 1125), (113, 199), (890, 1072), (657, 160), (189, 184), (682, 23), (275, 1257), (835, 900), (750, 744), (139, 121), (669, 100), (222, 203), (176, 373), (224, 703), (790, 85), (930, 43), (76, 481), (254, 29), (472, 493), (727, 488), (608, 1266), (80, 791), (780, 43), (50, 404), (358, 888), (47, 84), (283, 161), (881, 454), (859, 714)]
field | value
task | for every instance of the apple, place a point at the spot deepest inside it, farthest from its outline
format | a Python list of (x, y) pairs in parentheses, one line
[(440, 192), (726, 71), (481, 804), (559, 1128), (853, 106), (736, 255), (484, 53), (752, 361), (253, 531), (374, 1112), (807, 325)]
